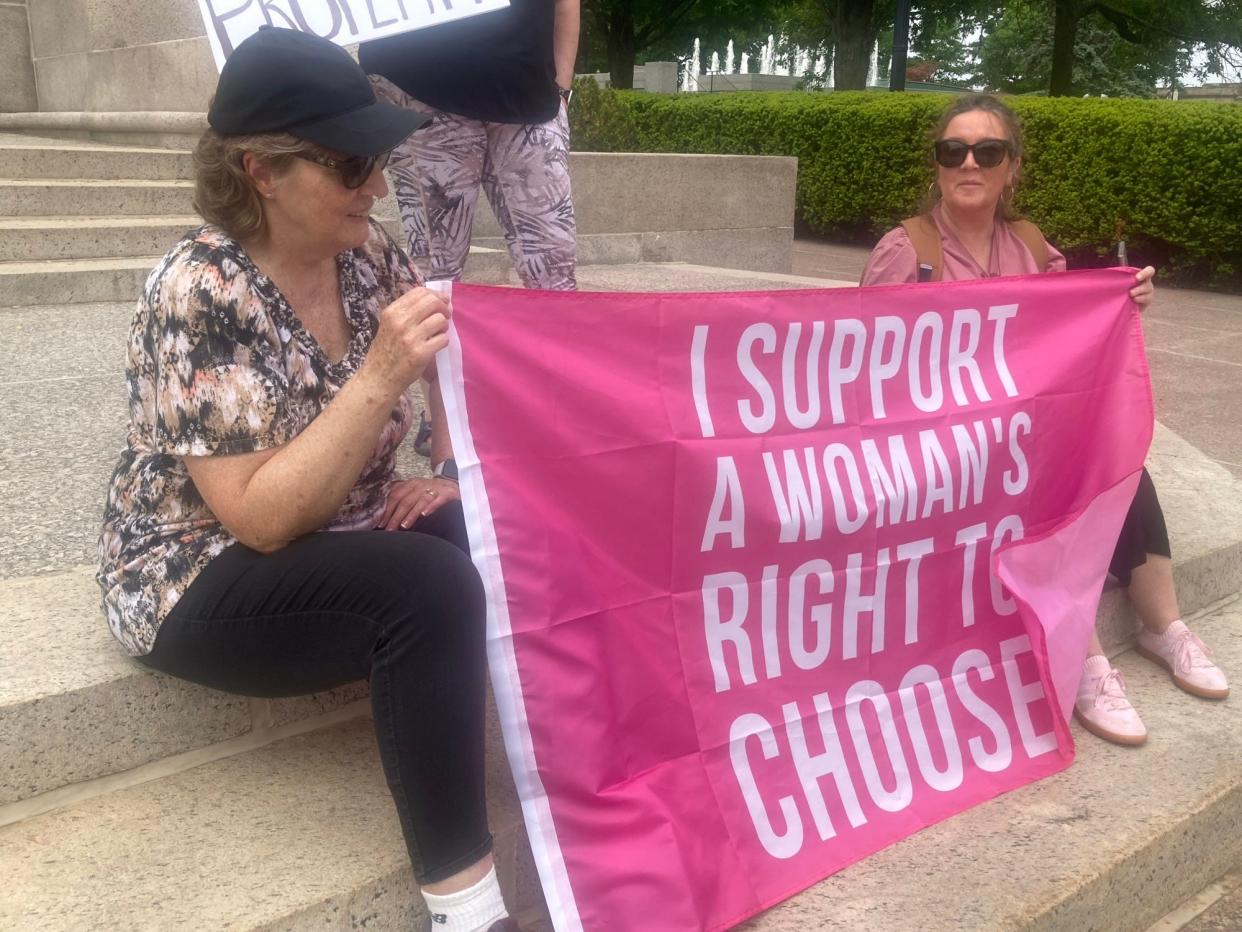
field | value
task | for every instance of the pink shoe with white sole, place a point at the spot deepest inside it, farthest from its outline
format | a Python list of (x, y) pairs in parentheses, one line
[(1180, 652), (1102, 706)]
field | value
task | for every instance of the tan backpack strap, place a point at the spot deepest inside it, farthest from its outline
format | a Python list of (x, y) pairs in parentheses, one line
[(928, 251), (1033, 240)]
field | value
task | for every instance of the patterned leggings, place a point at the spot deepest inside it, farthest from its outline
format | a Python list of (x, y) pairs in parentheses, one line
[(523, 169)]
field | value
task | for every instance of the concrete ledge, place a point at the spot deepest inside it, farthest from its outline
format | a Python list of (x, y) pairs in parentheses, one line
[(138, 121), (80, 709), (299, 835), (17, 90), (93, 280), (733, 211), (54, 699), (761, 249), (766, 249), (628, 192)]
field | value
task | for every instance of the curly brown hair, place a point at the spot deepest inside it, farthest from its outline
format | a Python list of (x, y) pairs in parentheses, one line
[(224, 193)]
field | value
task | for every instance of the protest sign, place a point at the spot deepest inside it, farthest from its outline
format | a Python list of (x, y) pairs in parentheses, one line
[(778, 578), (345, 22)]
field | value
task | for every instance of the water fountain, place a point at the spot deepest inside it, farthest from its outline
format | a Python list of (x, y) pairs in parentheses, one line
[(873, 68), (690, 81), (767, 56), (776, 59)]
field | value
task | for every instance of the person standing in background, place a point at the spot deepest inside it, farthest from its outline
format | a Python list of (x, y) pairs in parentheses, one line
[(497, 87)]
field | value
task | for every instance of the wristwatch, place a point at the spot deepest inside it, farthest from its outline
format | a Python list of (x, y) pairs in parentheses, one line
[(447, 469), (566, 93)]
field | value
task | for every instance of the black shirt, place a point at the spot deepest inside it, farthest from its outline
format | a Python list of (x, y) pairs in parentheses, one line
[(497, 66)]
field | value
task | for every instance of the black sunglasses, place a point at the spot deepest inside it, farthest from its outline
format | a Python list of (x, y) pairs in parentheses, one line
[(989, 153), (353, 169)]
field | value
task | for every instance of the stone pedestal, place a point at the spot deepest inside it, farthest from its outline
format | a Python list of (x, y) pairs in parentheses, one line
[(120, 55), (660, 77), (747, 82), (17, 83)]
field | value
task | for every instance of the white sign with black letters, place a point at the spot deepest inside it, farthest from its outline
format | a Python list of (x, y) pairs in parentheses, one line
[(343, 21)]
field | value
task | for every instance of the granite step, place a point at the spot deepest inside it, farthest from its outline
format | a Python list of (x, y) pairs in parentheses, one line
[(75, 709), (120, 278), (73, 281), (1109, 845), (42, 239), (50, 158), (94, 197), (300, 834), (1202, 504)]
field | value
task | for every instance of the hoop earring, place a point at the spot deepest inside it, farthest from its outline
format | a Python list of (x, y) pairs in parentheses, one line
[(1007, 194), (932, 191)]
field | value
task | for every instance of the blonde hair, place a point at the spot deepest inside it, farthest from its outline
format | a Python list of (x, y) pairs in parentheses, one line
[(224, 192), (968, 103)]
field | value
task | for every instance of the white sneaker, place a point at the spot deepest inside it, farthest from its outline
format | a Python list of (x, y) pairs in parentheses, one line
[(1180, 652), (1102, 706)]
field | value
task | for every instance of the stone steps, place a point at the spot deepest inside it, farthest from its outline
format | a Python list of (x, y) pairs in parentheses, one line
[(43, 239), (299, 834), (25, 157), (94, 197), (120, 279), (1109, 845), (73, 281), (80, 710)]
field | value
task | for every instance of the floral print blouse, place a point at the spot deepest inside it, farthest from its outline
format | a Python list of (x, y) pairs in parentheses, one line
[(218, 363)]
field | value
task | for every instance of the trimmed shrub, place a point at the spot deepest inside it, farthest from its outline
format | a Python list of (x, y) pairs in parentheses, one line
[(1168, 174)]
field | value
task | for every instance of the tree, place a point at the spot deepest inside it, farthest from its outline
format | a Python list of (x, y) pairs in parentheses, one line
[(1016, 55), (626, 28), (1214, 24), (852, 28)]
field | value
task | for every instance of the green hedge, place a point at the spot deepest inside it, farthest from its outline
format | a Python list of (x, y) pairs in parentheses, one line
[(1168, 172)]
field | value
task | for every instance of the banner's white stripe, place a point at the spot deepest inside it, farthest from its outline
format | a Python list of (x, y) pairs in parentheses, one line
[(502, 662)]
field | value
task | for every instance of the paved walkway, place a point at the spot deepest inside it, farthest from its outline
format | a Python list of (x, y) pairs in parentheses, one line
[(1194, 346), (1224, 916)]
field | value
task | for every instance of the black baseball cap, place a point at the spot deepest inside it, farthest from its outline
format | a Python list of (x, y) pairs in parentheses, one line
[(286, 81)]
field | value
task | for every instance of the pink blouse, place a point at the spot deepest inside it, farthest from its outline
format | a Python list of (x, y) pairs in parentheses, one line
[(893, 260)]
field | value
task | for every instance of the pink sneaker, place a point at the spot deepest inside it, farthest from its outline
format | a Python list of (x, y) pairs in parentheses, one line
[(1180, 652), (1102, 706)]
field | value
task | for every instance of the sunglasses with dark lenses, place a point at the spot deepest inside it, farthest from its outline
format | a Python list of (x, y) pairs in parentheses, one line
[(989, 153), (353, 169)]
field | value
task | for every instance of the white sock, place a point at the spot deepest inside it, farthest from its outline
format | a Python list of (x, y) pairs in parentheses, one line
[(469, 910)]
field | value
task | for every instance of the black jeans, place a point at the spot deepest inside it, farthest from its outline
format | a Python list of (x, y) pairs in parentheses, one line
[(403, 609)]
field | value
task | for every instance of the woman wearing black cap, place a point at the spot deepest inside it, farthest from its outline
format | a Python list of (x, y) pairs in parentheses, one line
[(268, 365)]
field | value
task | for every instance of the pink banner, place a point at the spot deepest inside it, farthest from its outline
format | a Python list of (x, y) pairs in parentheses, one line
[(778, 578)]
